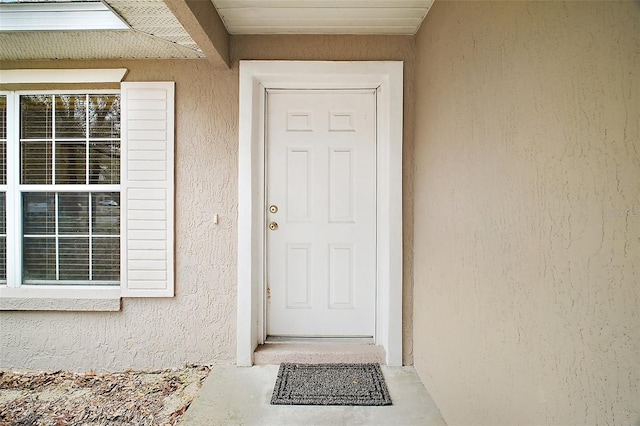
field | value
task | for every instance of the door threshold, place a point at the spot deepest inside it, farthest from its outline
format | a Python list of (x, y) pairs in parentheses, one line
[(319, 350), (319, 340)]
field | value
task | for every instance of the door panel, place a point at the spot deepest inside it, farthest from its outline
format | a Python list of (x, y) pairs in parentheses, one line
[(321, 176)]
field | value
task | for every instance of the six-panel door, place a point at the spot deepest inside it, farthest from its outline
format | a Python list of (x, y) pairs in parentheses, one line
[(321, 213)]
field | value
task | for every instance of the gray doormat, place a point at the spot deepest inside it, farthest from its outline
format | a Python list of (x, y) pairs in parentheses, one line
[(330, 384)]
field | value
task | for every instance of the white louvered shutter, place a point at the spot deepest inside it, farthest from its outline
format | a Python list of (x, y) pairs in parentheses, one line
[(147, 189)]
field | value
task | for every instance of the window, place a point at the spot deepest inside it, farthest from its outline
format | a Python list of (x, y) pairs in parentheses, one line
[(86, 195), (69, 187), (67, 183)]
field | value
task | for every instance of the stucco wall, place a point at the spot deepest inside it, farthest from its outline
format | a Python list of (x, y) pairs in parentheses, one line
[(198, 325), (527, 212)]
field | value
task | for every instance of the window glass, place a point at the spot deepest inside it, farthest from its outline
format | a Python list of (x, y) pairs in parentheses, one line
[(3, 237), (71, 116), (73, 258), (39, 213), (70, 237), (104, 162), (106, 259), (39, 256), (3, 117), (3, 140), (73, 213), (3, 215), (36, 117), (104, 116), (68, 156), (77, 233), (36, 158), (105, 218), (3, 181), (71, 163)]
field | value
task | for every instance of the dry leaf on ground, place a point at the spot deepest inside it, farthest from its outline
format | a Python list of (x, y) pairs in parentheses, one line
[(62, 398)]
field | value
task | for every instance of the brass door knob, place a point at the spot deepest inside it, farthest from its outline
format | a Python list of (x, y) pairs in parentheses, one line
[(273, 226)]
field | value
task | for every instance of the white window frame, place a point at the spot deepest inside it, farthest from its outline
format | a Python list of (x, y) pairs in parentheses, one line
[(3, 188), (14, 286)]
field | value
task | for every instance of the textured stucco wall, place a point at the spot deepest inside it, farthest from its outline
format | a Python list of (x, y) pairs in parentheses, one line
[(527, 212), (199, 324)]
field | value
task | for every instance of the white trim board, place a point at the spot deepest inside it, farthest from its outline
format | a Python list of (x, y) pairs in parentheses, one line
[(109, 75), (255, 78)]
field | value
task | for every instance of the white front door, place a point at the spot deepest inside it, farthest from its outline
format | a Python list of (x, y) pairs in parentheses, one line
[(321, 212)]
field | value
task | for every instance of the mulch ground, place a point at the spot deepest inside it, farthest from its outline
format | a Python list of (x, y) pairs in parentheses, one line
[(131, 398)]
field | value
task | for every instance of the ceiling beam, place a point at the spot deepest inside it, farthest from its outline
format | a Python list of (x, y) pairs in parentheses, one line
[(201, 20)]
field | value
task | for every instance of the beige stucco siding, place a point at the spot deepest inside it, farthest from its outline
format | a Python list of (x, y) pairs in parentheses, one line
[(198, 325), (527, 212)]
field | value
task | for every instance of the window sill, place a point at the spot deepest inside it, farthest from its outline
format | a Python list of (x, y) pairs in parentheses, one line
[(50, 298)]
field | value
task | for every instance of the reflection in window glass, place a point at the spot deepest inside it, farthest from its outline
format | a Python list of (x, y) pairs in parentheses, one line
[(3, 237), (104, 163), (39, 259), (3, 140), (3, 162), (3, 181), (78, 234), (73, 213), (3, 117), (3, 214), (71, 116), (106, 213), (36, 159), (38, 211), (41, 145), (70, 236), (36, 117), (71, 163), (74, 259), (104, 116), (106, 259)]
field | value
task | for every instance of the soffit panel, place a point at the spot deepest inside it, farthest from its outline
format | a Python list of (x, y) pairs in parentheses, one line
[(89, 45), (153, 17), (155, 34), (322, 16)]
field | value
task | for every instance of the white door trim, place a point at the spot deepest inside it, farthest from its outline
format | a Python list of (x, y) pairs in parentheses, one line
[(255, 78)]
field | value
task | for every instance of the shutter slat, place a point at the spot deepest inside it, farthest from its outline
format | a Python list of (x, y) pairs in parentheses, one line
[(148, 176), (148, 135), (147, 189)]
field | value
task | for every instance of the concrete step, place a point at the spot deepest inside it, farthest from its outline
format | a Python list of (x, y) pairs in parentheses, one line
[(318, 353)]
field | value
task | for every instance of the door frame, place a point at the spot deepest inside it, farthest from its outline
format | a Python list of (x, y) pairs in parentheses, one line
[(255, 78)]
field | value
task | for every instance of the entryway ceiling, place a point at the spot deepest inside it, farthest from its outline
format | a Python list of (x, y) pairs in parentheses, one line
[(191, 29), (322, 16)]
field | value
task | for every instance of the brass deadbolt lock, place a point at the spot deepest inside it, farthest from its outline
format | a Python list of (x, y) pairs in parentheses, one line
[(273, 209)]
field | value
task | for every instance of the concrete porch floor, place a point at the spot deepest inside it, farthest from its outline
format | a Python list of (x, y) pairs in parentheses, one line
[(241, 396)]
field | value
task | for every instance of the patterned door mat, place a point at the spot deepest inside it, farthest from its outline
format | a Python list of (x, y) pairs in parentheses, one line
[(330, 384)]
